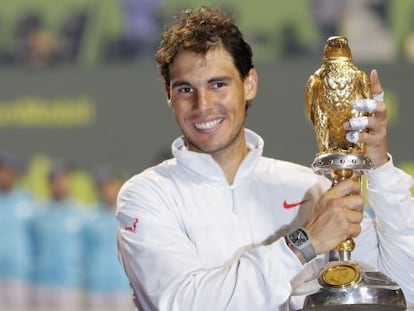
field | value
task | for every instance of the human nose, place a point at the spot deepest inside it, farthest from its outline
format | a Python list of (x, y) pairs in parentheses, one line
[(203, 100)]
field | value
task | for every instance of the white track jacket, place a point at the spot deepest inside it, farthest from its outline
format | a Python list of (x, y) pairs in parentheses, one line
[(190, 241)]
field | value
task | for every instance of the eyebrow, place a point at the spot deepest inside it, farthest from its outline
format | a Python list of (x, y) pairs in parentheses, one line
[(179, 83), (219, 79)]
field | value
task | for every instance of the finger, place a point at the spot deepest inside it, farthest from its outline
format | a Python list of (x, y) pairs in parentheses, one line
[(376, 87), (365, 105), (345, 188), (354, 203), (373, 137), (378, 94), (354, 230), (353, 216), (380, 108), (379, 97), (352, 137), (358, 123)]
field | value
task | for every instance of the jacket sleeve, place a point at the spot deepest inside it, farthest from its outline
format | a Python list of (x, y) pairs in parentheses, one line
[(166, 273), (392, 227)]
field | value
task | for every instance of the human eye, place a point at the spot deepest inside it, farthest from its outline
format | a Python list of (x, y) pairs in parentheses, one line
[(182, 90), (218, 84), (185, 90)]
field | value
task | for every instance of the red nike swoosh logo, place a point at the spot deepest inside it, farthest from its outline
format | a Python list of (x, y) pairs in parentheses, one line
[(287, 205), (132, 228)]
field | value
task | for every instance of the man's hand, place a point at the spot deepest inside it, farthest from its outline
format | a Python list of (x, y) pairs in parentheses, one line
[(374, 127), (337, 216)]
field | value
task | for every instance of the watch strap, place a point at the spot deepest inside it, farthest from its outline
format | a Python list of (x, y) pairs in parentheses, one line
[(306, 249), (308, 252)]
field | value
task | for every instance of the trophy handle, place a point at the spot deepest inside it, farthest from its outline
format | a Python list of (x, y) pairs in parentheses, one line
[(343, 250)]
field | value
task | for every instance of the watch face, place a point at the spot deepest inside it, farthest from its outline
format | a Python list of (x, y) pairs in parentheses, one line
[(298, 237)]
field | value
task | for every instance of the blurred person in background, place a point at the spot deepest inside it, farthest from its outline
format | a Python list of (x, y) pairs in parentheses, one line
[(71, 35), (408, 48), (142, 27), (33, 43), (58, 246), (106, 285), (16, 208), (328, 16)]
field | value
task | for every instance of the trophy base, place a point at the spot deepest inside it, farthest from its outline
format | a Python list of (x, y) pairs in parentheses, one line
[(332, 165), (345, 285)]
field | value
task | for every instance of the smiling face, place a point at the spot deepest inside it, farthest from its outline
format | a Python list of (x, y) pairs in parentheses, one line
[(209, 98)]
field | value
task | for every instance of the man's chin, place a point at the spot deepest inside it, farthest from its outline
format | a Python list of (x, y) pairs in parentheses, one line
[(203, 148)]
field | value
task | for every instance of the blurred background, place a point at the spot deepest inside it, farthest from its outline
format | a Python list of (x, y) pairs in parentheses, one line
[(82, 109)]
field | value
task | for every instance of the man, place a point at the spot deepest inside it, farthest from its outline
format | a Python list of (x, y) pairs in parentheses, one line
[(16, 210), (106, 285), (58, 245), (206, 230)]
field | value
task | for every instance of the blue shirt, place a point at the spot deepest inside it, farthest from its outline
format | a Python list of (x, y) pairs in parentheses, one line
[(58, 248), (104, 272), (16, 208)]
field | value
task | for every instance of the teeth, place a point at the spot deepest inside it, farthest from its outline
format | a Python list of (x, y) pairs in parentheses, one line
[(208, 125)]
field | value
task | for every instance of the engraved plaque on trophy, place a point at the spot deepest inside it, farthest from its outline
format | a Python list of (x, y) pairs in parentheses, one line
[(343, 284)]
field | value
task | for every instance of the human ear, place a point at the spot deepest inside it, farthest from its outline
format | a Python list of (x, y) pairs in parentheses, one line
[(168, 93), (250, 84)]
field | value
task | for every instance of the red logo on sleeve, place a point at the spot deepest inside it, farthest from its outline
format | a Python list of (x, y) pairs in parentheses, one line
[(132, 228), (287, 205)]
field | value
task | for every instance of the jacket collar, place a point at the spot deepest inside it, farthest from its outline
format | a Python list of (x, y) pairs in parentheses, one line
[(203, 164)]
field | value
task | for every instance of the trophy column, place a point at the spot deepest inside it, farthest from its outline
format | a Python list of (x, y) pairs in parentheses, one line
[(343, 284)]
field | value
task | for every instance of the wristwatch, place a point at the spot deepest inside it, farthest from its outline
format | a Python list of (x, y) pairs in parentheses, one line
[(299, 239)]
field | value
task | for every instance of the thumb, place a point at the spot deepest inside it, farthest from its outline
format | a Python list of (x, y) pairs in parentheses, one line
[(376, 87)]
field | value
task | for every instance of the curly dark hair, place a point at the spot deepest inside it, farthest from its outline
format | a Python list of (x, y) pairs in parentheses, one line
[(198, 30)]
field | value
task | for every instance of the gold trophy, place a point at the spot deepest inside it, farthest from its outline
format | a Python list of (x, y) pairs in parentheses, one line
[(343, 284)]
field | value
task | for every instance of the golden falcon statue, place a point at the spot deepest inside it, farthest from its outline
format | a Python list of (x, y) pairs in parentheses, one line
[(330, 93)]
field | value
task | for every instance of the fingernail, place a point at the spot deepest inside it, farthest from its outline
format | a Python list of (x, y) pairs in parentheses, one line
[(347, 126)]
